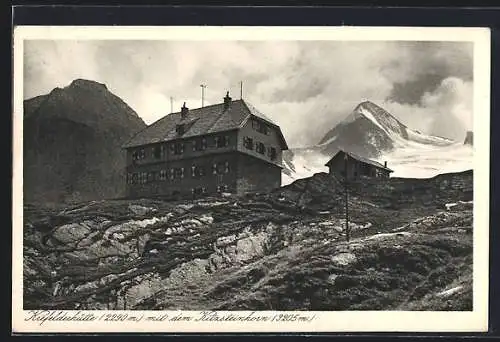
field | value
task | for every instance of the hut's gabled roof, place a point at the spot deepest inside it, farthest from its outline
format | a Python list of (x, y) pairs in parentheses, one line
[(361, 159), (201, 121)]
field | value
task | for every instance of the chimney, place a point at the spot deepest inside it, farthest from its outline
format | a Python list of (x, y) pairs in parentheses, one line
[(227, 101), (385, 164), (184, 111)]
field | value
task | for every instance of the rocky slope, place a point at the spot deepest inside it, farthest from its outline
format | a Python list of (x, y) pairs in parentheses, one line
[(411, 248), (72, 143)]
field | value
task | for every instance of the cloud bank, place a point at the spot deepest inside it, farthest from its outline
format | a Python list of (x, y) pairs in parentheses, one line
[(305, 86)]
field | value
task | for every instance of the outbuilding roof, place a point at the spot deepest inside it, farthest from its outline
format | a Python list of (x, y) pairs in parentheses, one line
[(361, 159)]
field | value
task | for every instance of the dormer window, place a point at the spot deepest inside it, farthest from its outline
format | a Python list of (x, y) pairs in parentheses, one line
[(260, 127), (180, 129)]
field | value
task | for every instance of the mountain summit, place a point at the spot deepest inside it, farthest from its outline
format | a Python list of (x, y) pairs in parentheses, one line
[(469, 137), (370, 130), (72, 143)]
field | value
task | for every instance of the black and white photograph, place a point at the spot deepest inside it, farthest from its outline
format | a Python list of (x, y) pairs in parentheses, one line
[(248, 173)]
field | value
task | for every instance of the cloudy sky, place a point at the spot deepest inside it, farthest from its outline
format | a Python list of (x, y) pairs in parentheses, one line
[(305, 86)]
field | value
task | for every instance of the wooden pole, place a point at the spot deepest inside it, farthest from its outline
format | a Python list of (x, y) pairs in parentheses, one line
[(347, 231)]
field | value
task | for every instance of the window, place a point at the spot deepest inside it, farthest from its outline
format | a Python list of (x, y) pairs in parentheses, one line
[(177, 148), (197, 171), (200, 144), (143, 177), (260, 127), (248, 143), (177, 173), (271, 151), (179, 129), (163, 175), (139, 154), (218, 168), (222, 188), (199, 191), (260, 148), (151, 177), (221, 141), (157, 152)]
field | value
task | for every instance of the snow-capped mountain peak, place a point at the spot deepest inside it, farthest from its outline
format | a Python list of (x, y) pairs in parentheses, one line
[(372, 132), (395, 128)]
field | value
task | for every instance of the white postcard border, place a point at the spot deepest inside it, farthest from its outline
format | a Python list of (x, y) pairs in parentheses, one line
[(341, 321)]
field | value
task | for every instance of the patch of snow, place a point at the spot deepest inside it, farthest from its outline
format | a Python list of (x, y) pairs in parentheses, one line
[(133, 225), (140, 210), (185, 206), (330, 140), (419, 161), (367, 114), (449, 292), (343, 259), (212, 204), (450, 205), (206, 219), (385, 235), (118, 236)]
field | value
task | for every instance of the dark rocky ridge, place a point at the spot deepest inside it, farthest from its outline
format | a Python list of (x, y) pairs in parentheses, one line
[(469, 138), (72, 143)]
